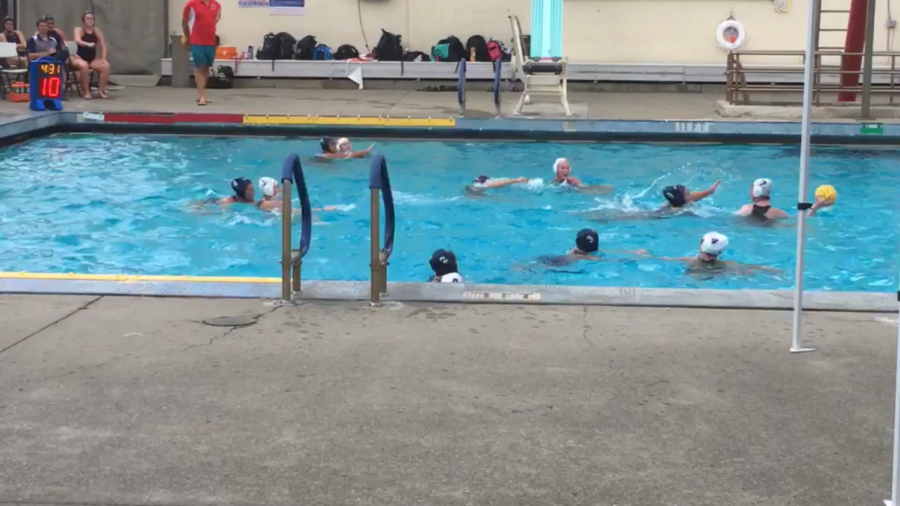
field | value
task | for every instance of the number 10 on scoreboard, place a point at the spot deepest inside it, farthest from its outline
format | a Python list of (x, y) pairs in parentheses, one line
[(47, 87)]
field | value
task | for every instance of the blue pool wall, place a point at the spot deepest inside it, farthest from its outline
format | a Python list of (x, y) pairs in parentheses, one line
[(848, 133)]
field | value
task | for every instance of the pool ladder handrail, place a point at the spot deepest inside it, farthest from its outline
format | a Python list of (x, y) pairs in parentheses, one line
[(380, 182), (292, 259), (461, 86)]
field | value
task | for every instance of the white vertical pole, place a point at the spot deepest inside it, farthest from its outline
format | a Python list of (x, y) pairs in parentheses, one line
[(796, 346), (895, 482)]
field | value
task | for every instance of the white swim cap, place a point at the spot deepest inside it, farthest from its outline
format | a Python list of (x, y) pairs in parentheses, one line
[(453, 277), (267, 186), (343, 141), (713, 243), (556, 164), (762, 188)]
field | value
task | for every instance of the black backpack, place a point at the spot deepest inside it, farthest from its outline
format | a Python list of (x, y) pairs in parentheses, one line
[(477, 43), (306, 48), (346, 52), (286, 46), (270, 49), (389, 47), (416, 56), (456, 50), (221, 78)]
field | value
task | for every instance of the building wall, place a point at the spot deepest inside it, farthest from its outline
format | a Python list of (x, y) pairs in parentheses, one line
[(596, 31)]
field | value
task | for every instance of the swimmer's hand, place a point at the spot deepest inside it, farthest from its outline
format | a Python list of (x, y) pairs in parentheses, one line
[(818, 204), (715, 186)]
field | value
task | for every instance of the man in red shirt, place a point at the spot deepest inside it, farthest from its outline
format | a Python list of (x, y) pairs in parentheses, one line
[(199, 23)]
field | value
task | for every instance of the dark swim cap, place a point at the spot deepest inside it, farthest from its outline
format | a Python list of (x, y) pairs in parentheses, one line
[(587, 240), (480, 180), (443, 262), (326, 143), (240, 185), (675, 195)]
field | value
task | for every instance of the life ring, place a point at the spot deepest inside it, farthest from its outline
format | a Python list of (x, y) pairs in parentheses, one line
[(735, 25)]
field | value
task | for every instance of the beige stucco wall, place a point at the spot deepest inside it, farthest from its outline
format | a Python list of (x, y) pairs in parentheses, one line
[(598, 31)]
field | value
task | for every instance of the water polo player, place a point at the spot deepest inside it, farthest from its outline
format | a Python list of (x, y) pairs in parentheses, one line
[(761, 209), (243, 192), (707, 259), (678, 196), (562, 175), (342, 148), (482, 183), (446, 270)]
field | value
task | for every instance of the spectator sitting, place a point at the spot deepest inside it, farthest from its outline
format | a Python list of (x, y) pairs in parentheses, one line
[(44, 43), (13, 36), (60, 52), (53, 30), (89, 38)]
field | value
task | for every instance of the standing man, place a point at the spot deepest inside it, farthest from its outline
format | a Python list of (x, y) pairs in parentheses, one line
[(199, 24)]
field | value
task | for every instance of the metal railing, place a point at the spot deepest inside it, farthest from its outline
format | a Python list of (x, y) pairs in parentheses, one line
[(497, 74), (826, 77), (461, 86), (292, 259), (380, 182)]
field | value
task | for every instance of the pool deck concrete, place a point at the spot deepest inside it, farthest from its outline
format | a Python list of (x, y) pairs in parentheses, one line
[(394, 103), (117, 400)]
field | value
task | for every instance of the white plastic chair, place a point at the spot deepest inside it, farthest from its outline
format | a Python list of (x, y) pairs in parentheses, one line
[(547, 78), (9, 50)]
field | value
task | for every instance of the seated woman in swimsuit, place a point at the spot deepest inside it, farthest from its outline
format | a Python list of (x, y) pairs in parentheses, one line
[(89, 38), (761, 209), (12, 36)]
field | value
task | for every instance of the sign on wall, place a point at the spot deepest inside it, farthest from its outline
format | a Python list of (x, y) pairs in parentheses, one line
[(253, 3), (287, 7)]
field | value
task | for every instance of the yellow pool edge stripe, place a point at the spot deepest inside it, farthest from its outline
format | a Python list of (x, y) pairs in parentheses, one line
[(349, 121), (132, 278)]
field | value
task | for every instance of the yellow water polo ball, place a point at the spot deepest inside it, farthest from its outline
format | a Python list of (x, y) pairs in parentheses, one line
[(827, 193)]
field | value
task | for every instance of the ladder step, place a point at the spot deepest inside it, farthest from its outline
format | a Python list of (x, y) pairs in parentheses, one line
[(831, 47), (832, 29), (834, 12)]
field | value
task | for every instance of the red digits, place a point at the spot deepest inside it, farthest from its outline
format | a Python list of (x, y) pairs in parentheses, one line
[(50, 87)]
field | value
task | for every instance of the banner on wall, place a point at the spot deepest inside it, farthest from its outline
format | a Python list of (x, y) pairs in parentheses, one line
[(287, 7), (253, 3)]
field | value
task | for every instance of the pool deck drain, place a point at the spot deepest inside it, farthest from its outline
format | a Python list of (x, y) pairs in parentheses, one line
[(270, 288)]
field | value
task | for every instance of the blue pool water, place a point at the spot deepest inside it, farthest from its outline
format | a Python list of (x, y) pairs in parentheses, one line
[(121, 204)]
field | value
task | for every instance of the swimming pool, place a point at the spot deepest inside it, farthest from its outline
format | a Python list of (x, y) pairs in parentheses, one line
[(108, 204)]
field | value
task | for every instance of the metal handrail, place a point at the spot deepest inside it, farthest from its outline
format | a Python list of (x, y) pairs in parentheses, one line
[(292, 259), (461, 86), (380, 182), (497, 72), (736, 72)]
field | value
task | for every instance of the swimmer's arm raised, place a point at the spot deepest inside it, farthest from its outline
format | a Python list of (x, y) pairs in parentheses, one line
[(695, 196), (361, 154)]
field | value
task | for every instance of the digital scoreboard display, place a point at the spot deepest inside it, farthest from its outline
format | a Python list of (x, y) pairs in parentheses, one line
[(48, 84)]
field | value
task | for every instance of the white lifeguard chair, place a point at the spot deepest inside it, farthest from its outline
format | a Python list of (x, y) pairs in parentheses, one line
[(541, 77)]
